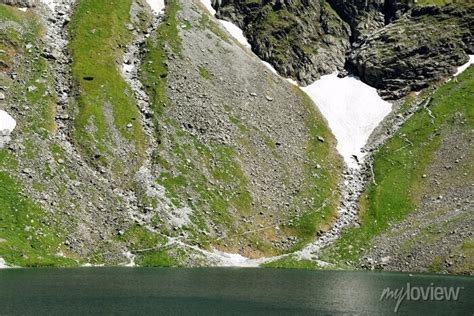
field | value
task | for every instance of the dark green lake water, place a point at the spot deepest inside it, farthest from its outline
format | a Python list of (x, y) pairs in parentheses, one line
[(116, 291)]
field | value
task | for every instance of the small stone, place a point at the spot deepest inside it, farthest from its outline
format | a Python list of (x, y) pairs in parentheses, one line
[(321, 139), (2, 96), (60, 161), (27, 171), (385, 260), (253, 94), (31, 88), (269, 98), (129, 125), (423, 176)]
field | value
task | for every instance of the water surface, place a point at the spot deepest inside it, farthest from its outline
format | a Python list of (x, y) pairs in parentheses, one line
[(218, 292)]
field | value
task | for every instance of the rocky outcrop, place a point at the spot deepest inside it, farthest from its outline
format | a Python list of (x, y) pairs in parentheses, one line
[(397, 46), (301, 40), (423, 46), (366, 16)]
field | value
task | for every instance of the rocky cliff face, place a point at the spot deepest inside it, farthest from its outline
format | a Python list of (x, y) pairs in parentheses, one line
[(301, 39), (364, 17), (421, 47), (397, 46)]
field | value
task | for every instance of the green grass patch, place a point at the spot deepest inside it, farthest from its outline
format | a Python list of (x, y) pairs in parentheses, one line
[(291, 263), (22, 40), (139, 238), (154, 70), (434, 2), (27, 238), (157, 259), (204, 73), (99, 34)]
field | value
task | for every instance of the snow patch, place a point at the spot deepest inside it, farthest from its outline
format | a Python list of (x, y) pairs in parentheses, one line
[(235, 260), (3, 264), (465, 66), (131, 259), (50, 3), (90, 265), (236, 32), (157, 6), (208, 5), (233, 29), (7, 123), (128, 68), (353, 110)]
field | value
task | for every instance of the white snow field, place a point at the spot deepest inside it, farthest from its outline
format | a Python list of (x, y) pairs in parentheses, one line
[(465, 66), (50, 3), (156, 5), (7, 123), (353, 110)]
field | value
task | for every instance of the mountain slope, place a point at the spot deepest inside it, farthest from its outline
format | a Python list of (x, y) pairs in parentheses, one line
[(159, 140), (416, 213), (219, 156)]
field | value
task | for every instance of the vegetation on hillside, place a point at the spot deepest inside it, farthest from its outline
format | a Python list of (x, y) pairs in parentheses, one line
[(105, 103), (29, 235), (400, 164)]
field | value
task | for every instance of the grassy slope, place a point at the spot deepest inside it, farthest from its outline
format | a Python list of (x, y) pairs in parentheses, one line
[(99, 34), (399, 165), (27, 237)]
